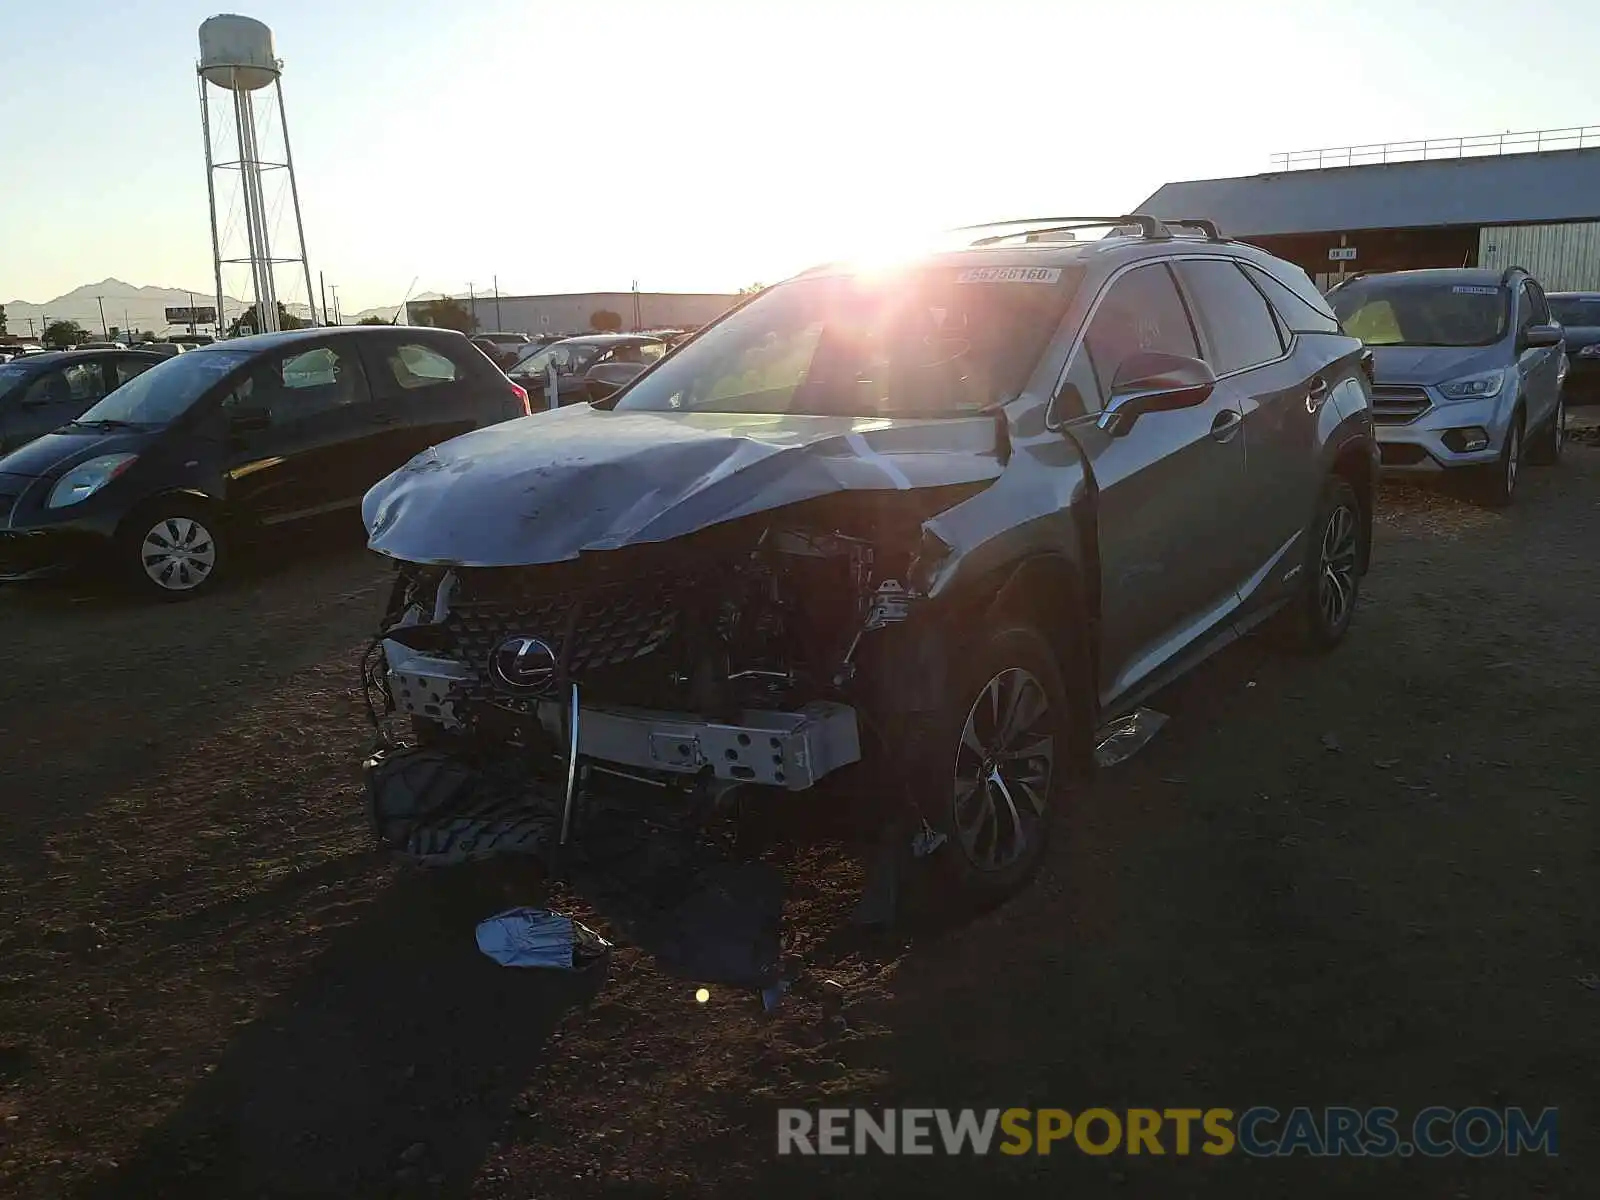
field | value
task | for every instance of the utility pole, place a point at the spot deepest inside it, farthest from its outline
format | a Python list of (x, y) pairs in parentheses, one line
[(126, 331), (191, 314), (30, 326), (322, 281), (497, 323), (335, 290), (637, 318), (104, 332), (472, 301)]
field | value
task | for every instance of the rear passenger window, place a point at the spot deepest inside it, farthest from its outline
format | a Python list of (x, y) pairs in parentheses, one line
[(1239, 327), (310, 382), (1297, 312), (1142, 311), (417, 366)]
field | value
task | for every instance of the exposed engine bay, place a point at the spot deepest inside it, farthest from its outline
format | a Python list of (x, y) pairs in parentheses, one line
[(660, 676)]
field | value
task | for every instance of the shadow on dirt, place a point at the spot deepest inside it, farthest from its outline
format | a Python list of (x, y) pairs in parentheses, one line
[(393, 1063)]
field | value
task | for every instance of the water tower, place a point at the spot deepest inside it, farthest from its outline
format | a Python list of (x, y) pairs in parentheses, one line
[(236, 56)]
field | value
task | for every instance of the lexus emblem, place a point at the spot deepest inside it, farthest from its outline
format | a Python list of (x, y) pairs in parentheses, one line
[(524, 664)]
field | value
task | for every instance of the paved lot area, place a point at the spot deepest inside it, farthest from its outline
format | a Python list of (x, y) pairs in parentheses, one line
[(1363, 879)]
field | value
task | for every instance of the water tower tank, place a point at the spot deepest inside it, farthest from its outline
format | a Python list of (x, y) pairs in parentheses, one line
[(237, 52)]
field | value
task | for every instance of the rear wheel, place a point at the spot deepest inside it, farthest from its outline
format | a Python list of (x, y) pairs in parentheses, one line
[(172, 549), (1497, 482), (1320, 615)]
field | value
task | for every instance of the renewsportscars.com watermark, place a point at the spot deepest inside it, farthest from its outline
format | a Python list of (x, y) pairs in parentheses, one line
[(1259, 1132)]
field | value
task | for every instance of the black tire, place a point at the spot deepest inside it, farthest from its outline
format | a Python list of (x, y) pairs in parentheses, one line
[(1545, 449), (1319, 616), (1496, 484), (982, 858), (198, 551)]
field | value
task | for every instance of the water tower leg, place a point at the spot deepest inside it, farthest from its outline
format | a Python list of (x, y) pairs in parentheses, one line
[(294, 196), (211, 196)]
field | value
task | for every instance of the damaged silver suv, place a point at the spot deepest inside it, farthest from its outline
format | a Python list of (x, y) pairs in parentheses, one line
[(936, 524)]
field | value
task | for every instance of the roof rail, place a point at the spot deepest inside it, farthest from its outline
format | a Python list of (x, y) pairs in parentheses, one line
[(1209, 228), (1149, 227), (1505, 276)]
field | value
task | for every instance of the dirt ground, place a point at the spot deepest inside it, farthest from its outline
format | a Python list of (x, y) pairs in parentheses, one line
[(1363, 879)]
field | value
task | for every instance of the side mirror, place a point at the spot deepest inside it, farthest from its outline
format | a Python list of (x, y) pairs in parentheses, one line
[(250, 420), (610, 378), (1150, 381), (1542, 335)]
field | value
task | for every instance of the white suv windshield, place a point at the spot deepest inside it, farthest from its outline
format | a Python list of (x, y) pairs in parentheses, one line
[(1395, 312), (927, 342)]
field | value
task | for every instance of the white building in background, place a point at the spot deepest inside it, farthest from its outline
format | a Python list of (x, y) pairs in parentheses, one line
[(571, 313)]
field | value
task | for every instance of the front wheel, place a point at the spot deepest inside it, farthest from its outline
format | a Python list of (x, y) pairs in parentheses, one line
[(992, 768), (1497, 482), (172, 550), (1546, 450)]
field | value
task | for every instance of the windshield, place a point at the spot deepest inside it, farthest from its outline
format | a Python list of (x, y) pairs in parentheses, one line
[(1576, 310), (14, 375), (1395, 312), (166, 390), (925, 342)]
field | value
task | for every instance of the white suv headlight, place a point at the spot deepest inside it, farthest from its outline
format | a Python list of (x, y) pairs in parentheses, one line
[(1474, 387), (87, 478)]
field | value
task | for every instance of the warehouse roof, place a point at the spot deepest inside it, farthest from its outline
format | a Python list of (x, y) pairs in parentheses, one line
[(1558, 185)]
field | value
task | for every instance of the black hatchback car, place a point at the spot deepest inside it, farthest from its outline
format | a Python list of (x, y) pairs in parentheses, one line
[(156, 479), (39, 392)]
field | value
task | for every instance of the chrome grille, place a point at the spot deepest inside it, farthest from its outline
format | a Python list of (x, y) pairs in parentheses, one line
[(608, 627), (1398, 405)]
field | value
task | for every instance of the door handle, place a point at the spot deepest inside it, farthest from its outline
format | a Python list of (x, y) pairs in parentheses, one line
[(1226, 425)]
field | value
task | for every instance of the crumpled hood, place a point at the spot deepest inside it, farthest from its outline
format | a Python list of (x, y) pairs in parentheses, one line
[(549, 487), (1434, 364)]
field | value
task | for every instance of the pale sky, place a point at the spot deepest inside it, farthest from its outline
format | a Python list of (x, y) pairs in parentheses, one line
[(708, 144)]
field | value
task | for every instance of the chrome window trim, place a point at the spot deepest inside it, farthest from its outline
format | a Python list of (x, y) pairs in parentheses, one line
[(1053, 420)]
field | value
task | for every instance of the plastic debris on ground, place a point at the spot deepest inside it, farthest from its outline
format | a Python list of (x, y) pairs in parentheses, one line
[(537, 937), (1126, 736)]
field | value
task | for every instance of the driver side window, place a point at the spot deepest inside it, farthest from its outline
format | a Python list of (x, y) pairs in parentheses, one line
[(1141, 312)]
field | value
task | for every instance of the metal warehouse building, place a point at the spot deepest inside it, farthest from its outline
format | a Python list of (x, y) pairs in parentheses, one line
[(570, 313), (1489, 205)]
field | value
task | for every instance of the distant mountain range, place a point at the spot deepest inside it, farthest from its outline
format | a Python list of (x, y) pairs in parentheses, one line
[(130, 307)]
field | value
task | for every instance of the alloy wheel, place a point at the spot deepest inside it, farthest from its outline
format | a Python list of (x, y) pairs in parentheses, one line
[(1003, 769), (1559, 437), (1336, 579), (178, 554), (1513, 457)]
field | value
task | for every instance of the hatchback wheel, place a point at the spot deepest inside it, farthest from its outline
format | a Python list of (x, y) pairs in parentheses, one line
[(173, 551)]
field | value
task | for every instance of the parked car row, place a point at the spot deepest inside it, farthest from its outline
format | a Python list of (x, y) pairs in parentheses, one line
[(153, 466)]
